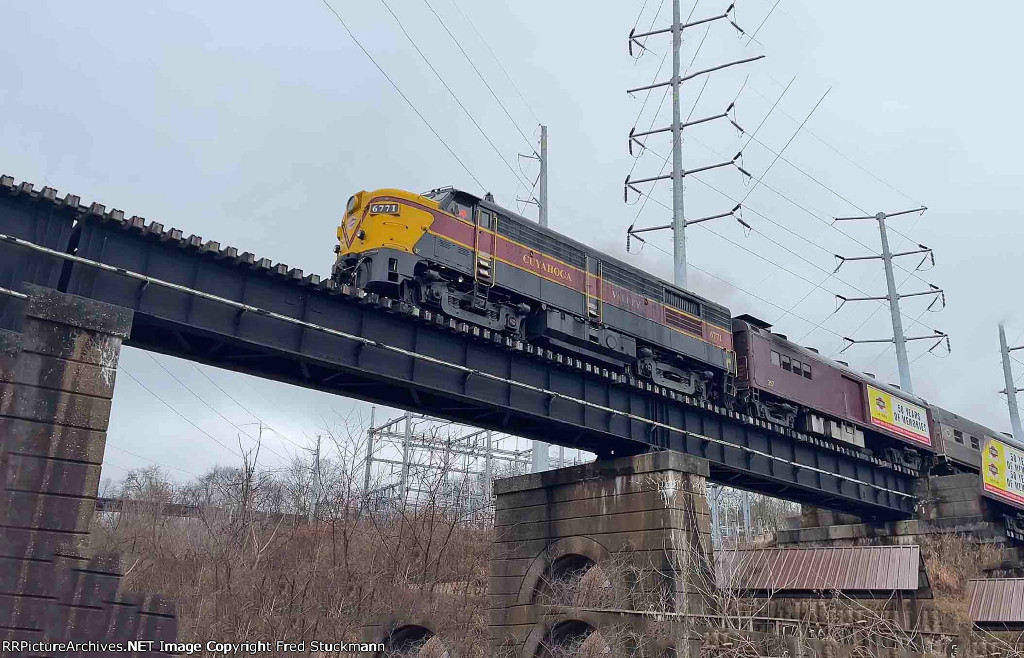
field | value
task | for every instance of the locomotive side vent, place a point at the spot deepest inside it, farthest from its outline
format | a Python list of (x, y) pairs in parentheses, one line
[(632, 281), (674, 299), (542, 242)]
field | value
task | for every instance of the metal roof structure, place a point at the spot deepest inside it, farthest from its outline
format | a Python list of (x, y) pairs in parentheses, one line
[(996, 601), (845, 568)]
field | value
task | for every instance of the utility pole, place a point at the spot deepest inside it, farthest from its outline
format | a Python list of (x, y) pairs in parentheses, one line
[(745, 501), (899, 338), (543, 210), (406, 440), (714, 491), (488, 467), (1010, 390), (679, 222), (369, 453), (540, 449), (539, 457)]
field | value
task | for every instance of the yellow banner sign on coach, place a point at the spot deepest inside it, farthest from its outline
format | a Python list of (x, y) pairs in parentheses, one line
[(899, 416), (1002, 471)]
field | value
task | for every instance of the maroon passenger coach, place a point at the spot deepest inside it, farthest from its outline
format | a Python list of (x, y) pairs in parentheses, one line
[(796, 386)]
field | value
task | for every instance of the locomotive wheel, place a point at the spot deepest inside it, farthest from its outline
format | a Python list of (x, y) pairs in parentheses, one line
[(410, 291)]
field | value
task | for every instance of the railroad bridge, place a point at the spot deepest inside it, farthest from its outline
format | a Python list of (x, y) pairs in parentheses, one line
[(78, 280), (196, 299)]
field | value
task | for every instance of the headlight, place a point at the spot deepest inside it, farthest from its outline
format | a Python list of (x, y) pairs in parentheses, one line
[(353, 203)]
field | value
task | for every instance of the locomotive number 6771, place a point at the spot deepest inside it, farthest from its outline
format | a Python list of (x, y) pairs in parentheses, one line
[(486, 265)]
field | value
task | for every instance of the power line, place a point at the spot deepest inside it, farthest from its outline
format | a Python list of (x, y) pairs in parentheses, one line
[(451, 91), (654, 20), (755, 296), (779, 154), (768, 260), (107, 462), (402, 94), (641, 13), (838, 152), (243, 407), (763, 21), (760, 181), (121, 368), (775, 242), (135, 454), (814, 213), (913, 273), (845, 157), (258, 442), (496, 59), (477, 71)]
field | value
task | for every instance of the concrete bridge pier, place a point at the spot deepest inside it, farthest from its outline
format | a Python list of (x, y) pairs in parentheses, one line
[(56, 385), (575, 544)]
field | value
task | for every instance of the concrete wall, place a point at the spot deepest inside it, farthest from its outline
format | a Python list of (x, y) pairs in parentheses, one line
[(56, 385)]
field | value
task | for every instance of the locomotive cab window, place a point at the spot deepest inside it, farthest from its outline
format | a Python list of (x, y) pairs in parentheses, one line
[(786, 363), (485, 218), (775, 358), (462, 211)]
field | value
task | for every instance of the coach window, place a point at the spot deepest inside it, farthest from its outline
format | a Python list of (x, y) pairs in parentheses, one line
[(775, 358), (807, 371), (974, 443), (958, 436), (786, 365), (797, 367)]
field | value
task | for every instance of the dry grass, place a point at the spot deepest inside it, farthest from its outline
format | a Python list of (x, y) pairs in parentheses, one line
[(302, 553), (305, 552)]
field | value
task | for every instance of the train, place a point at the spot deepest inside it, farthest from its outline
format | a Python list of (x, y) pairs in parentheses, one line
[(484, 264)]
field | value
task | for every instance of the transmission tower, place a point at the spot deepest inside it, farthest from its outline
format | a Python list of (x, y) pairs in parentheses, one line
[(1011, 390), (679, 222), (409, 452), (899, 338)]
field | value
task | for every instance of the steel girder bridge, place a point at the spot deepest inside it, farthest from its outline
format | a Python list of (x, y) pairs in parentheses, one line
[(198, 300)]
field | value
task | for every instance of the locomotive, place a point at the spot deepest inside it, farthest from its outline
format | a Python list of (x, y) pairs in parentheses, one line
[(488, 266)]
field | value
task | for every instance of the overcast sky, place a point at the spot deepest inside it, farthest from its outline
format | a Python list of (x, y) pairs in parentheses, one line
[(251, 123)]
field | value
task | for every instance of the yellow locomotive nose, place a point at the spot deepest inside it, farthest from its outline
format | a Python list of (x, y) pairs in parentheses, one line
[(384, 219)]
